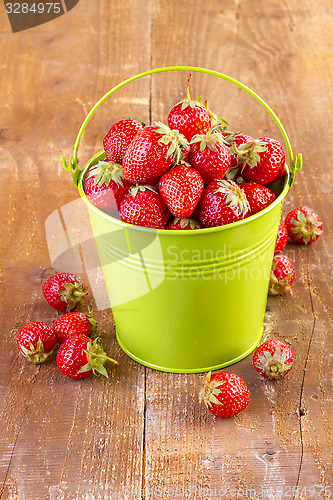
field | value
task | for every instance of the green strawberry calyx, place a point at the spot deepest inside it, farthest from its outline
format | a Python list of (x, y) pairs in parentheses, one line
[(187, 222), (249, 153), (92, 320), (273, 365), (172, 138), (211, 390), (106, 171), (35, 355), (234, 195), (210, 139), (279, 286), (217, 121), (72, 293), (306, 226), (139, 188), (96, 359), (232, 174)]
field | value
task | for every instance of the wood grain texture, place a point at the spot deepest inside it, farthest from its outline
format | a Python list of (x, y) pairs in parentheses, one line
[(143, 433)]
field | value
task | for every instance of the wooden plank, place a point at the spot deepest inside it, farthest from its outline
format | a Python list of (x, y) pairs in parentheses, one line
[(271, 447), (61, 438), (146, 429)]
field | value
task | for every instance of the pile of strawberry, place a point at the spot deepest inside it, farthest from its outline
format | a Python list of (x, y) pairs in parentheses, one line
[(189, 174), (302, 225), (79, 356)]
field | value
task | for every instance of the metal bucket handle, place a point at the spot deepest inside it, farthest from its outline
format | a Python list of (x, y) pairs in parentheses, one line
[(295, 162)]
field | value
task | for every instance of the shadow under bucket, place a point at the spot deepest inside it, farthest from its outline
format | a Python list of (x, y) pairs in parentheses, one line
[(187, 301)]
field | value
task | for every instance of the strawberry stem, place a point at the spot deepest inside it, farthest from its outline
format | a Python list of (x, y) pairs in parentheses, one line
[(188, 88)]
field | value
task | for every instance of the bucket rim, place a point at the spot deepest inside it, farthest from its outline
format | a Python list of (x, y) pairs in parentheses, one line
[(185, 232)]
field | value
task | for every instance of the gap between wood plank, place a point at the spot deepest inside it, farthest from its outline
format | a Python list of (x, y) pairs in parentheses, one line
[(300, 410), (143, 473)]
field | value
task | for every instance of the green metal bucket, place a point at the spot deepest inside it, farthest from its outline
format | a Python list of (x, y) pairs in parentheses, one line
[(187, 301)]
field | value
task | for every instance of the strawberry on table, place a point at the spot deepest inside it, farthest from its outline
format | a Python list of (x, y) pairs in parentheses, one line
[(281, 240), (258, 196), (79, 357), (152, 152), (273, 359), (181, 189), (262, 160), (209, 155), (222, 202), (282, 275), (189, 116), (72, 323), (303, 225), (64, 291), (106, 186), (183, 224), (36, 341), (225, 394), (118, 138), (144, 206)]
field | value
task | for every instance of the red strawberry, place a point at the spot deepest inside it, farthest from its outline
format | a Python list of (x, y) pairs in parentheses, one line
[(79, 357), (118, 138), (64, 291), (225, 394), (105, 186), (189, 116), (222, 202), (181, 189), (281, 240), (303, 225), (36, 341), (262, 160), (258, 196), (273, 359), (152, 152), (183, 224), (237, 138), (282, 275), (143, 206), (72, 323), (209, 155)]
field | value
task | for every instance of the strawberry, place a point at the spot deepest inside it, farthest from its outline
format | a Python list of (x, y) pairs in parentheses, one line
[(36, 341), (225, 394), (72, 323), (262, 160), (64, 291), (143, 206), (152, 152), (273, 359), (189, 116), (282, 275), (181, 189), (237, 138), (222, 202), (79, 357), (258, 196), (303, 225), (183, 224), (118, 138), (209, 155), (281, 239), (105, 186)]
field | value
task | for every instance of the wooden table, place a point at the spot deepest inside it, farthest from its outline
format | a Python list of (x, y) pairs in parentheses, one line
[(143, 433)]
